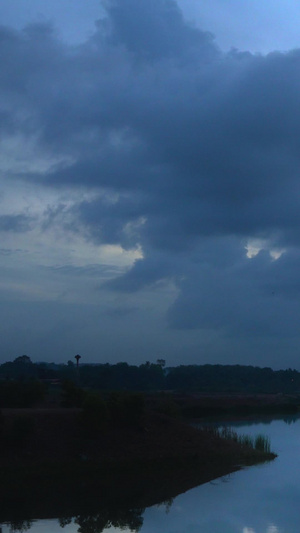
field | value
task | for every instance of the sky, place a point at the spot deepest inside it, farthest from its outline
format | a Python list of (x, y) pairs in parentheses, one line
[(150, 181)]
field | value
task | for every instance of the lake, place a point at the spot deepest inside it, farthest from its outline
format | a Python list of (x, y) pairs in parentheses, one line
[(258, 499)]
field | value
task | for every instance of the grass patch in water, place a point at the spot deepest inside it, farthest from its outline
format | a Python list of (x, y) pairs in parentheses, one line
[(260, 443)]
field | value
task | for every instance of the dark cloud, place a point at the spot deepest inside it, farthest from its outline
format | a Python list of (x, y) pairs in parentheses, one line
[(91, 271), (244, 298), (145, 272), (148, 30), (187, 152), (15, 223), (11, 251), (121, 311)]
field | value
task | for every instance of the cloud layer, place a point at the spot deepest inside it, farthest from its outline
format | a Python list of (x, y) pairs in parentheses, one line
[(173, 151)]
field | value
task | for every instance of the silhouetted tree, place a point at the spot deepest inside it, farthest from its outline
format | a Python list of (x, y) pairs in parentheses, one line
[(23, 359)]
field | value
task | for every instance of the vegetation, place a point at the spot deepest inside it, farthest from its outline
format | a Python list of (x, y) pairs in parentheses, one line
[(260, 443), (21, 393), (155, 376), (117, 426), (57, 451)]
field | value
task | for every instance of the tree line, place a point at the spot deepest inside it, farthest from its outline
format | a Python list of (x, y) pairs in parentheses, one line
[(22, 378)]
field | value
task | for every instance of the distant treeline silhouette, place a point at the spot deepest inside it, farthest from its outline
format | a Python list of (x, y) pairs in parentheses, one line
[(145, 377)]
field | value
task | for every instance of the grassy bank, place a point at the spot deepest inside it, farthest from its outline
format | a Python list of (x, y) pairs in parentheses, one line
[(231, 405), (51, 465), (30, 436)]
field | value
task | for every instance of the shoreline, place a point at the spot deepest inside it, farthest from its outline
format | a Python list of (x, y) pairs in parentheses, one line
[(58, 467)]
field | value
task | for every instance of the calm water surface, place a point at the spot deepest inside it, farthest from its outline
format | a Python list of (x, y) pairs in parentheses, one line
[(258, 499)]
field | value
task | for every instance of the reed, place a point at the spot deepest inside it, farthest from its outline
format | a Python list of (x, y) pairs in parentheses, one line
[(260, 443)]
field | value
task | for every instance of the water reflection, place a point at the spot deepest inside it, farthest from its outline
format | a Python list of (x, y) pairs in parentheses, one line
[(126, 519), (290, 420), (117, 519), (238, 422), (130, 519), (270, 529), (260, 499), (19, 525)]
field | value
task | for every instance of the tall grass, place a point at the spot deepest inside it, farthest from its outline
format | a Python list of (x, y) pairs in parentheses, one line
[(261, 443)]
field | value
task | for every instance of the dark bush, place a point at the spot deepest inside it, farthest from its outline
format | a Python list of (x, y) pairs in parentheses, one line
[(21, 393), (126, 409), (73, 396), (20, 431), (95, 414), (167, 406)]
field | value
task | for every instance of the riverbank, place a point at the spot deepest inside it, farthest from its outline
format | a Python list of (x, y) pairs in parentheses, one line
[(198, 405), (32, 436), (47, 460)]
